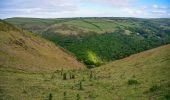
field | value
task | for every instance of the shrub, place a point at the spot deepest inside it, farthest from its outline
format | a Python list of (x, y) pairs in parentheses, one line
[(80, 85), (72, 76), (91, 75), (64, 76), (61, 71), (154, 88), (92, 95), (78, 97), (132, 82), (50, 97), (65, 96), (167, 97)]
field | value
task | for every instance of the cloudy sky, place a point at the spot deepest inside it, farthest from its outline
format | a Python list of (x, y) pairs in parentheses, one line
[(85, 8)]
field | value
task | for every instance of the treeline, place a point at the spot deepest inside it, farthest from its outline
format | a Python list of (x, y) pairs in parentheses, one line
[(105, 47)]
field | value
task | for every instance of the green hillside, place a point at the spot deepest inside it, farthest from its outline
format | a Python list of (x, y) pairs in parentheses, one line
[(96, 41), (141, 76), (21, 50)]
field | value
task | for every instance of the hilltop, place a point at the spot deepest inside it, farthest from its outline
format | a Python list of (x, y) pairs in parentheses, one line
[(141, 76), (91, 24), (24, 51)]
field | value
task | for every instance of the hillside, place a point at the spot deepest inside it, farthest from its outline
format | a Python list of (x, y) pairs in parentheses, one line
[(96, 41), (21, 50), (141, 76)]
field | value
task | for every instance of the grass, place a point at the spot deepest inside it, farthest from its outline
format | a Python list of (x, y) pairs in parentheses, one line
[(148, 68)]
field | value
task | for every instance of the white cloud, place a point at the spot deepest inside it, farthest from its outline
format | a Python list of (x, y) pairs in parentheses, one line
[(160, 11), (155, 6), (159, 7), (74, 8), (113, 3)]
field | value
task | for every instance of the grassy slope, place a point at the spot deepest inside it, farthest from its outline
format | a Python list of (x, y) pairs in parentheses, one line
[(110, 82), (150, 68), (23, 51)]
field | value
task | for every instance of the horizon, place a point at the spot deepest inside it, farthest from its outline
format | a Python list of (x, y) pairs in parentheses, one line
[(83, 17), (84, 8)]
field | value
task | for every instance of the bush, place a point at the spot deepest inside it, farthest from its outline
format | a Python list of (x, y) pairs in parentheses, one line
[(80, 85), (50, 97), (154, 88), (132, 82), (65, 96), (167, 97), (78, 97), (91, 75), (64, 76), (72, 76)]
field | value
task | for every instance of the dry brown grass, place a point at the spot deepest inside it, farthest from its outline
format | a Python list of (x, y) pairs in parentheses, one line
[(23, 51)]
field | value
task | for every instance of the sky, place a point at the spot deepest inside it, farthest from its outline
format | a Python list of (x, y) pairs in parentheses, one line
[(85, 8)]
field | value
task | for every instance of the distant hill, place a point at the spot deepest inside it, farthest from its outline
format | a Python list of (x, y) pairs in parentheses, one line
[(35, 25), (96, 41), (21, 50), (86, 25)]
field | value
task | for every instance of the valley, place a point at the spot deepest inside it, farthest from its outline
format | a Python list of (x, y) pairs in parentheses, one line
[(84, 59), (96, 41)]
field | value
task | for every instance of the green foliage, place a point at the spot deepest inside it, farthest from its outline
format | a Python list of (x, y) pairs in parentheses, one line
[(154, 88), (72, 76), (91, 75), (95, 49), (78, 97), (92, 96), (62, 71), (65, 76), (167, 97), (132, 82), (80, 85), (65, 95), (50, 97)]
